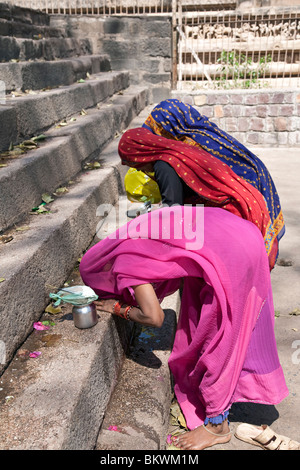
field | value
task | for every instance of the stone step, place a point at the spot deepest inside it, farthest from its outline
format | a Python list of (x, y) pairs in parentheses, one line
[(43, 255), (59, 400), (137, 415), (12, 48), (62, 155), (40, 75), (47, 108), (24, 15), (62, 399), (20, 29)]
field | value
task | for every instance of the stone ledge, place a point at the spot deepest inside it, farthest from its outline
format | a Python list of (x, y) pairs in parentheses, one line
[(61, 157), (50, 107), (50, 74)]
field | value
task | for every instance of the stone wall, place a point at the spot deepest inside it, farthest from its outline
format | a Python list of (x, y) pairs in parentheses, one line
[(257, 118), (141, 45)]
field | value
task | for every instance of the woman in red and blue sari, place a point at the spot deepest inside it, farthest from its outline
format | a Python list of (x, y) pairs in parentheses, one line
[(190, 175), (176, 120)]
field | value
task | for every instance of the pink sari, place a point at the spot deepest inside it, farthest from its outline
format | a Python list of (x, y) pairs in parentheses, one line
[(224, 349)]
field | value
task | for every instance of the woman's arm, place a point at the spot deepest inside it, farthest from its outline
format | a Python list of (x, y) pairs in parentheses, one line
[(149, 312)]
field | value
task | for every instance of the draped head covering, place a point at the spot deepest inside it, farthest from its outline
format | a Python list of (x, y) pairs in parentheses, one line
[(212, 180), (176, 120)]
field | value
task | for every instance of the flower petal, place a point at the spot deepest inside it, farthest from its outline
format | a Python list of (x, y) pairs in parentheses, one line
[(113, 428), (35, 354), (39, 326)]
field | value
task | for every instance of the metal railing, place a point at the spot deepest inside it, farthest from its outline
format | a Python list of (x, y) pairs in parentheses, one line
[(228, 49), (98, 7)]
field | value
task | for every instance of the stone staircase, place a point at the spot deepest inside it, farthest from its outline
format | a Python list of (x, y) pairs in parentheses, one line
[(61, 120)]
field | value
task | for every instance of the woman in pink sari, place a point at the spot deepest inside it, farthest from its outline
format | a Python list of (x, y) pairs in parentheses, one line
[(224, 349)]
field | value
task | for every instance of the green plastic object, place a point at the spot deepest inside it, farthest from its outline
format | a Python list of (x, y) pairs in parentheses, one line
[(74, 295)]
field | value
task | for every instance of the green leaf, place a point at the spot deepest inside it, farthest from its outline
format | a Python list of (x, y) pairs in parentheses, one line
[(39, 137), (48, 323), (34, 209), (40, 209)]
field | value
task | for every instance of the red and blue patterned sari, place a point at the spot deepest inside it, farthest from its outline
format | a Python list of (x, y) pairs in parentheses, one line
[(176, 120)]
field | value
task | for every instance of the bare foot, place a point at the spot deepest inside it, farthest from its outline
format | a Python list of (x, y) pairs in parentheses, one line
[(204, 436)]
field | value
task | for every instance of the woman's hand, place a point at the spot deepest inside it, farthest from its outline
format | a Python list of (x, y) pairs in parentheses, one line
[(149, 311), (106, 305)]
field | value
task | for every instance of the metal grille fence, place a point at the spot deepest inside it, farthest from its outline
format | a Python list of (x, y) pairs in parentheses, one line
[(232, 50), (98, 7)]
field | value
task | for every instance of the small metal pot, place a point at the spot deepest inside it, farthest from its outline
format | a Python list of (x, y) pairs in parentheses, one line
[(85, 316)]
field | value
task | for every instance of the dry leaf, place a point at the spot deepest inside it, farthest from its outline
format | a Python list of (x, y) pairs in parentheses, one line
[(296, 311), (176, 415), (22, 229), (92, 166), (6, 238), (52, 310), (62, 124), (12, 153), (47, 198), (61, 190), (39, 137)]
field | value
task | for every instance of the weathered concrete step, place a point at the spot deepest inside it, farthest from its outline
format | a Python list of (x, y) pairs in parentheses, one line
[(48, 49), (23, 22), (20, 29), (62, 154), (25, 15), (58, 400), (137, 416), (50, 107), (50, 74), (44, 255)]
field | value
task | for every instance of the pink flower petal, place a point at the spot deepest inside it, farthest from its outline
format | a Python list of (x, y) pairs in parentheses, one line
[(39, 326), (35, 354), (113, 428), (169, 439)]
